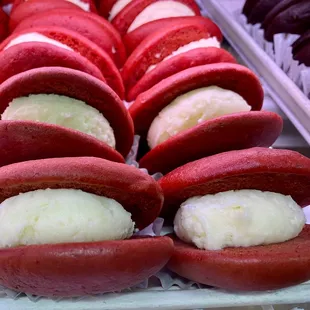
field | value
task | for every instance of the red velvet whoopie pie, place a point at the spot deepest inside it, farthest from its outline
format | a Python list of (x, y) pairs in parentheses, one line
[(89, 25), (124, 19), (161, 44), (84, 268), (254, 268), (22, 139), (222, 133), (72, 40)]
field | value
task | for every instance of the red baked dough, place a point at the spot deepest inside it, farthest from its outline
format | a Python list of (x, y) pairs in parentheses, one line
[(263, 267), (125, 17), (159, 45), (92, 6), (135, 37), (259, 268), (183, 61), (4, 20), (232, 77), (27, 56), (230, 132), (74, 84), (89, 25), (79, 269), (27, 140), (32, 7), (75, 269), (280, 171), (83, 46)]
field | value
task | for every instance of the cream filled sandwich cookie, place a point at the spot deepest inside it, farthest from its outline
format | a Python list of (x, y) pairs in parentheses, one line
[(68, 224), (62, 112), (238, 219), (202, 111)]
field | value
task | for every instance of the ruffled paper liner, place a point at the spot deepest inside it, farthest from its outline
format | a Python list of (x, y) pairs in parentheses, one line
[(280, 51)]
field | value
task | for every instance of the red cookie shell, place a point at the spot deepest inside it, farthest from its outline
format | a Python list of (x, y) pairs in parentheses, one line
[(259, 268), (105, 7), (74, 84), (89, 25), (135, 37), (4, 20), (32, 7), (124, 19), (92, 6), (77, 269), (183, 61), (232, 77), (155, 48), (230, 132), (27, 140), (83, 46), (27, 56), (280, 171)]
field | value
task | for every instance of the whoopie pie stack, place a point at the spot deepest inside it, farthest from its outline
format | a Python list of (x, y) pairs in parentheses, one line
[(79, 78)]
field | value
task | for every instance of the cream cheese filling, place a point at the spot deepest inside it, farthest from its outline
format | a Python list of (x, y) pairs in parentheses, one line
[(210, 42), (62, 216), (117, 7), (192, 108), (159, 10), (36, 37), (63, 111), (240, 218)]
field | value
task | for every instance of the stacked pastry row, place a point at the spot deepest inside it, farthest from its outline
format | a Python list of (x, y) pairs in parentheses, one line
[(285, 24), (70, 206)]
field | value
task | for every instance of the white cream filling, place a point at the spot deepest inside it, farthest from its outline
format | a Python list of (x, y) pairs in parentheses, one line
[(192, 108), (159, 10), (83, 5), (240, 218), (210, 42), (117, 7), (36, 37), (62, 215), (63, 111)]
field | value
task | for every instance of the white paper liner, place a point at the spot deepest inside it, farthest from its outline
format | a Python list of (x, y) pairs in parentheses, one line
[(280, 50)]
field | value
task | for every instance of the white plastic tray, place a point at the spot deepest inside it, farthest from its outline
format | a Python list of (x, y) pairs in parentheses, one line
[(169, 300), (284, 91)]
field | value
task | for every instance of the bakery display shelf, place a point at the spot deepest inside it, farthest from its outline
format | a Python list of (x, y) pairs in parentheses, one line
[(281, 88)]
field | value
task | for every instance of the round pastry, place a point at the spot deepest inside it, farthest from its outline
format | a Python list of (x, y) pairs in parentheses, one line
[(134, 38), (163, 45), (202, 111), (89, 25), (67, 40), (33, 7), (71, 222), (140, 12), (4, 20), (238, 220), (63, 102), (301, 49), (86, 5), (259, 10), (289, 16), (27, 56)]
